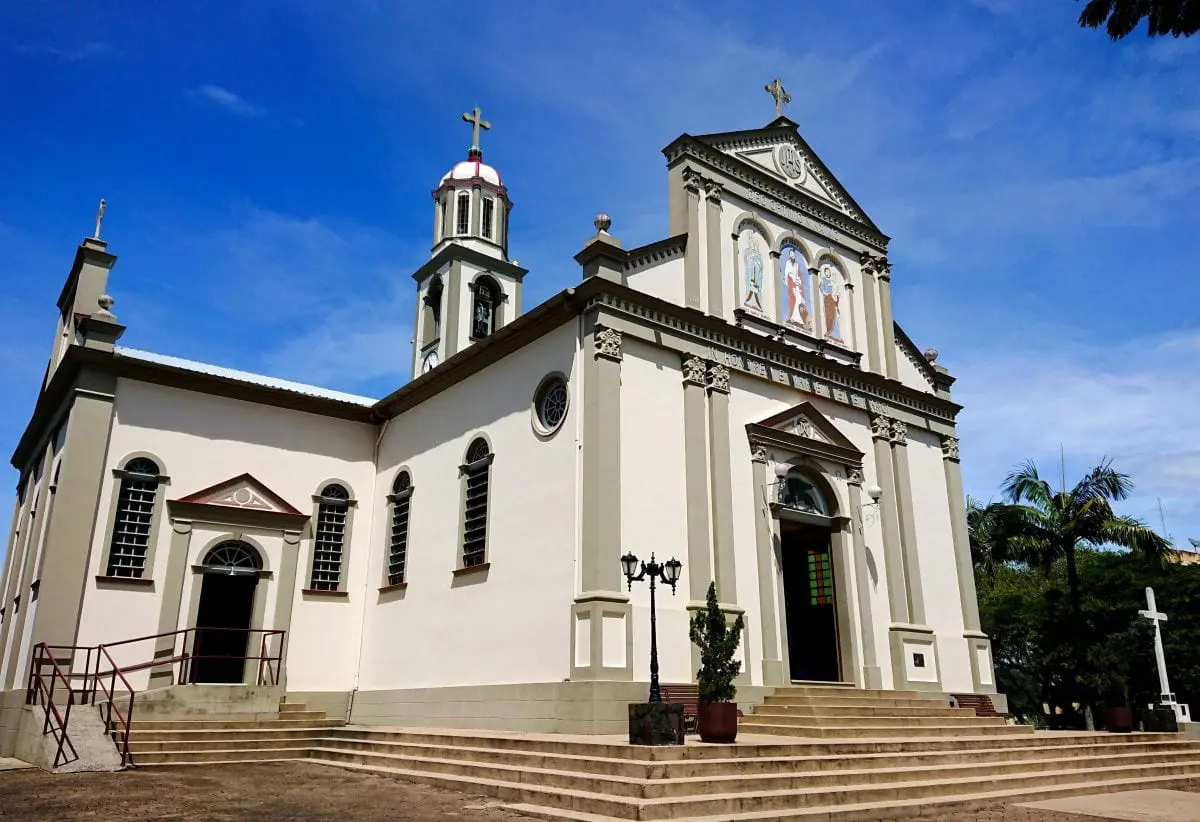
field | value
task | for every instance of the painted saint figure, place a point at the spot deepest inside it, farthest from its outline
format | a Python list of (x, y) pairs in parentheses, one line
[(753, 264), (830, 286), (795, 278)]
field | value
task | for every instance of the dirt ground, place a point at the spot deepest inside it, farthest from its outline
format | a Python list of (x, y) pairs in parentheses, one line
[(280, 792)]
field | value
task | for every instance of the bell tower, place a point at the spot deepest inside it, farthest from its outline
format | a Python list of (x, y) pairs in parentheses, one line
[(469, 288)]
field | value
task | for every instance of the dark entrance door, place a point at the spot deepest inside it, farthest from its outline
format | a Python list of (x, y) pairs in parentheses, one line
[(226, 601), (809, 603)]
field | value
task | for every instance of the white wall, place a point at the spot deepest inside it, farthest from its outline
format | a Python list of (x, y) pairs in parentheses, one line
[(662, 279), (201, 440), (511, 624), (908, 372)]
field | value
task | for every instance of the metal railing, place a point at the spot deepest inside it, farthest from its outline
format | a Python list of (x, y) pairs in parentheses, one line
[(105, 678)]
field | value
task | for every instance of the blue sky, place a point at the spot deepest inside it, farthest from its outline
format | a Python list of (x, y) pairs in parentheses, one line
[(268, 166)]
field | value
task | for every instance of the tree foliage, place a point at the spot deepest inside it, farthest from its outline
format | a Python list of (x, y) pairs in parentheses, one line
[(718, 641), (1179, 18)]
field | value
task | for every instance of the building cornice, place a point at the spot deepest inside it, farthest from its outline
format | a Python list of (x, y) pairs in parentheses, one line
[(453, 251)]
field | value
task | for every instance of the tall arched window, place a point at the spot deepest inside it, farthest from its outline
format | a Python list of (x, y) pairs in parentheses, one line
[(329, 538), (483, 309), (464, 212), (401, 501), (477, 476), (489, 208), (134, 519), (801, 494)]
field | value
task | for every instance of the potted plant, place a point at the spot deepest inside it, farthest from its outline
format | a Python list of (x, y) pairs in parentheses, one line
[(716, 713)]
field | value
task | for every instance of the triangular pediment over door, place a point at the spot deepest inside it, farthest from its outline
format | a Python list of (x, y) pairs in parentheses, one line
[(239, 499), (802, 429)]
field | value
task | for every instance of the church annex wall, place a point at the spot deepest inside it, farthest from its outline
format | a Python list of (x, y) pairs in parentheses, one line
[(509, 622), (199, 440)]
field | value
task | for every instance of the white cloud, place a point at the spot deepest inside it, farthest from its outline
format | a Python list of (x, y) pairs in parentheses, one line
[(1134, 403), (229, 101), (88, 51)]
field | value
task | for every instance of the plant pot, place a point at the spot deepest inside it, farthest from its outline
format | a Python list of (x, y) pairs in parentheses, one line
[(1118, 720), (717, 721)]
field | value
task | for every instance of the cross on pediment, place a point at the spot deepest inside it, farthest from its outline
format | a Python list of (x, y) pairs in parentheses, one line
[(779, 93)]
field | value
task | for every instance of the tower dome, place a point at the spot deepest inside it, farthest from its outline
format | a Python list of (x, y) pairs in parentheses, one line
[(472, 203)]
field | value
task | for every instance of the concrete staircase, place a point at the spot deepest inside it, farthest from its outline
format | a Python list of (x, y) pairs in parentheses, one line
[(809, 753)]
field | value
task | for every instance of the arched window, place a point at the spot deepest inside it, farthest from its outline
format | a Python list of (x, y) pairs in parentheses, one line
[(799, 493), (134, 517), (401, 501), (329, 538), (444, 228), (464, 212), (476, 475), (233, 555), (489, 207), (483, 309)]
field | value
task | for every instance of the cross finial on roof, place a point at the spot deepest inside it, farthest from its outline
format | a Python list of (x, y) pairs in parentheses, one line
[(782, 98), (475, 118), (99, 219)]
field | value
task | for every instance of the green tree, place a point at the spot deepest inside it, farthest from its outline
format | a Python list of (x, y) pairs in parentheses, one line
[(1179, 18), (718, 641), (1048, 524)]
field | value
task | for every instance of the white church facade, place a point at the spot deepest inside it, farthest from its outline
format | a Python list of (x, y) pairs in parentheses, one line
[(736, 395)]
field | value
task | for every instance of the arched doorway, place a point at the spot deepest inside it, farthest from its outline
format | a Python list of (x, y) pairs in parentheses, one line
[(810, 606), (225, 612)]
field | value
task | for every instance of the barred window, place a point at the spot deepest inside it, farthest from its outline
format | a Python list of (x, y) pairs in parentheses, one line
[(329, 539), (489, 205), (464, 212), (401, 500), (475, 510), (135, 513)]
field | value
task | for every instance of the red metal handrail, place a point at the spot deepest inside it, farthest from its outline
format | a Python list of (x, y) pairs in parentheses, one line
[(55, 721), (95, 680)]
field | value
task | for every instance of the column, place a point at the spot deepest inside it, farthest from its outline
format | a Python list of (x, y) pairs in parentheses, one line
[(691, 256), (696, 483), (872, 677), (871, 310), (768, 621), (602, 633), (716, 278), (893, 552), (908, 525), (721, 487), (889, 328), (978, 644)]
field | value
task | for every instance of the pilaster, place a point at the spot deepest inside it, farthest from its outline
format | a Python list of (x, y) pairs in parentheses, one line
[(768, 621), (872, 676), (842, 556), (888, 337), (691, 256), (871, 265), (24, 570), (908, 523), (453, 309), (601, 630), (696, 485), (893, 552), (721, 483), (978, 645), (716, 279), (172, 598)]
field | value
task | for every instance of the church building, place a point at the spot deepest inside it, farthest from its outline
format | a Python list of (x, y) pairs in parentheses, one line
[(736, 395)]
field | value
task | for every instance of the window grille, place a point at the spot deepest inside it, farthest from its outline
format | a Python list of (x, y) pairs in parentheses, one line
[(489, 206), (445, 226), (551, 404), (135, 514), (398, 546), (464, 212), (329, 539), (475, 510), (233, 554)]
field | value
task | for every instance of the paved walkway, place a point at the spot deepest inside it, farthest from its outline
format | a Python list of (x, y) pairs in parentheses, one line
[(1132, 806)]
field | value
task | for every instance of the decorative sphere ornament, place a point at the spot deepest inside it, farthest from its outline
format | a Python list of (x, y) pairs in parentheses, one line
[(602, 222), (931, 354)]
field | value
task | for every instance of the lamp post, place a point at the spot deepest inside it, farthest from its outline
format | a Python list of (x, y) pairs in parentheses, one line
[(667, 573)]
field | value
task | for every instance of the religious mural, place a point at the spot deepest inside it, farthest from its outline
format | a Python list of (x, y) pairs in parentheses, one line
[(752, 271), (830, 285), (793, 284)]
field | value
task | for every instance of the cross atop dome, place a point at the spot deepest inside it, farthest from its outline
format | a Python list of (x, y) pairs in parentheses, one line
[(475, 118), (776, 90)]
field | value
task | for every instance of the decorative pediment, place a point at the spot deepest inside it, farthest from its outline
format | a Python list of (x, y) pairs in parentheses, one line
[(242, 492), (920, 362), (780, 152), (807, 423)]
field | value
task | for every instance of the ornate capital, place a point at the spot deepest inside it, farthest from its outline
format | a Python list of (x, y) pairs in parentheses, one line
[(693, 181), (694, 370), (758, 452), (718, 379), (876, 265), (899, 432), (950, 448), (608, 343), (713, 192), (854, 476), (881, 427)]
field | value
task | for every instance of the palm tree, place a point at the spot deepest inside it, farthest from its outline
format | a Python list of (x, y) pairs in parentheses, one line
[(1054, 524), (988, 535)]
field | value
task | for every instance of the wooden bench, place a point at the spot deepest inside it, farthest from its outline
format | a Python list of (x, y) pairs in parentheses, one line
[(980, 703), (687, 695)]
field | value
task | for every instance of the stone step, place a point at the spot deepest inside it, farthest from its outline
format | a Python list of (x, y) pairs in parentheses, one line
[(807, 728), (958, 718), (210, 756), (138, 746), (228, 723), (833, 709), (287, 707), (228, 737), (727, 805), (818, 691), (853, 698), (894, 809)]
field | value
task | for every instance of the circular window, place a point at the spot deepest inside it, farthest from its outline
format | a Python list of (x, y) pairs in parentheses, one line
[(550, 404)]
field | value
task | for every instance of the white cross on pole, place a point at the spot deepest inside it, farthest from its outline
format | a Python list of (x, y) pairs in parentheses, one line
[(1154, 615)]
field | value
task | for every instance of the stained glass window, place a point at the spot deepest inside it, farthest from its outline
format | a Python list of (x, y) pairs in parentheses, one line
[(820, 578)]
